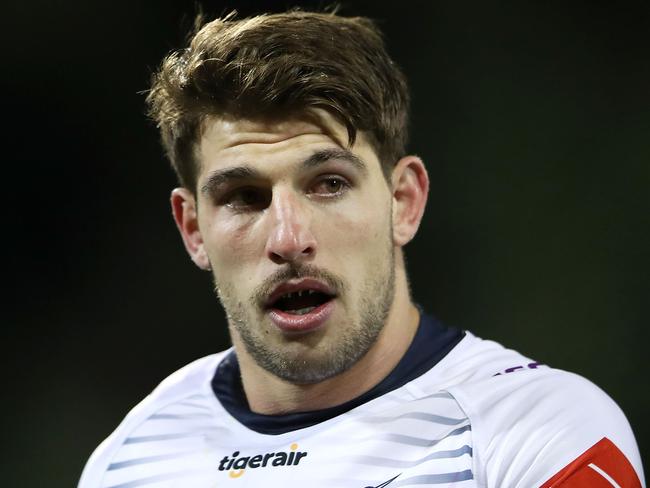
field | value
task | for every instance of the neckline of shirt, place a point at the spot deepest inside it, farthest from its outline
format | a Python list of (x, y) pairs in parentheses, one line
[(432, 342)]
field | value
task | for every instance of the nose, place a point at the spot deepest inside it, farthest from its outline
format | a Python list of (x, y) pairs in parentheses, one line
[(290, 238)]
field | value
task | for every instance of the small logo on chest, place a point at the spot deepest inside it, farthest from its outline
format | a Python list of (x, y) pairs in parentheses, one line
[(385, 483), (237, 464)]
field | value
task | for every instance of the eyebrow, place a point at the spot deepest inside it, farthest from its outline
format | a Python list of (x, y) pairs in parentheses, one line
[(221, 177), (320, 157), (246, 172)]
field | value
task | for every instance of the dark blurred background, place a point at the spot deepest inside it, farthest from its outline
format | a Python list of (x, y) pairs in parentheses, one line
[(533, 118)]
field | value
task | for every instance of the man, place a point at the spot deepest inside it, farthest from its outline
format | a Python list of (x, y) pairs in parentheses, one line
[(288, 136)]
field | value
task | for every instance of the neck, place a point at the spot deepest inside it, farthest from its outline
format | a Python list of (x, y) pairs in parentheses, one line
[(270, 395)]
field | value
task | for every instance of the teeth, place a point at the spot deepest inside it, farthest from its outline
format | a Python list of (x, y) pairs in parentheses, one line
[(302, 311), (299, 293)]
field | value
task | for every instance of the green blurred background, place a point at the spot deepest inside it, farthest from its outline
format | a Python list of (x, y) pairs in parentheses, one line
[(533, 119)]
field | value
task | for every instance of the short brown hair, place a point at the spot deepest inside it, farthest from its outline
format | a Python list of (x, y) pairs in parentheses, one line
[(276, 64)]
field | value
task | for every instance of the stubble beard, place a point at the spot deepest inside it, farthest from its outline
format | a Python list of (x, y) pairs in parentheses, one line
[(353, 340)]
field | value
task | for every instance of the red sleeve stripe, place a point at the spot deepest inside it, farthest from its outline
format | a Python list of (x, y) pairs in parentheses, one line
[(603, 465)]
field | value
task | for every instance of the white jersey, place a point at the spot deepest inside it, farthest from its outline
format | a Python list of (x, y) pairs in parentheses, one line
[(483, 416)]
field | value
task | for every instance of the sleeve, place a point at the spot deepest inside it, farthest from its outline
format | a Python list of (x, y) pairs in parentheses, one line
[(189, 380), (548, 428), (94, 470)]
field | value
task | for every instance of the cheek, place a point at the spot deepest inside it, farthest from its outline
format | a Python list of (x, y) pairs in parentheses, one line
[(233, 253), (229, 242), (355, 235)]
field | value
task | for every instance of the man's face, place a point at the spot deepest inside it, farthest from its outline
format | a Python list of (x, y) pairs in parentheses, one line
[(297, 228)]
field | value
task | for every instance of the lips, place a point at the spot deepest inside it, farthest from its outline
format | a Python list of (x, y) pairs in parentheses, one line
[(300, 305)]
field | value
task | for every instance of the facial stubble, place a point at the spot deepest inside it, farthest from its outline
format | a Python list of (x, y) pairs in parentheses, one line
[(317, 360)]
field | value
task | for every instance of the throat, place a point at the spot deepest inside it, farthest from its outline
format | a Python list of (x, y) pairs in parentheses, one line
[(268, 394)]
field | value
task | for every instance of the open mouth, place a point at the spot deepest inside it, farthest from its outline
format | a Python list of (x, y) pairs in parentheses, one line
[(300, 302), (301, 306)]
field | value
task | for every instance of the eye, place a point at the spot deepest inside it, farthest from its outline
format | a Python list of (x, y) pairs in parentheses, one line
[(248, 198), (330, 186)]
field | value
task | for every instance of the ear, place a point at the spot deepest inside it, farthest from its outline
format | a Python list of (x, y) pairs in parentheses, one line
[(410, 185), (185, 215)]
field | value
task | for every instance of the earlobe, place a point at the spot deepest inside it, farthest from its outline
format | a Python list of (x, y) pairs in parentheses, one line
[(410, 185), (185, 215)]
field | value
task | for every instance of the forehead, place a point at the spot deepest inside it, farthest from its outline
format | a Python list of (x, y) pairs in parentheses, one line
[(226, 142)]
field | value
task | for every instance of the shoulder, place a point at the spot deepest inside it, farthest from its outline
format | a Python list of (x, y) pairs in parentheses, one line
[(187, 383), (529, 421), (471, 361)]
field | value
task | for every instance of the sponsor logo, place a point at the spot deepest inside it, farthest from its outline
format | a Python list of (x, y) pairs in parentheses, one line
[(534, 365), (236, 464), (385, 483)]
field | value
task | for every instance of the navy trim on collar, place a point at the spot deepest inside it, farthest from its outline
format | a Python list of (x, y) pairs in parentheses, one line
[(431, 343)]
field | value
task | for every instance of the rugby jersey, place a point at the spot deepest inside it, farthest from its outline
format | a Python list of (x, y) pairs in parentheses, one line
[(458, 411)]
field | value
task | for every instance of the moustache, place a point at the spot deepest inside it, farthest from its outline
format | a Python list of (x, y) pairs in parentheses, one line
[(296, 271)]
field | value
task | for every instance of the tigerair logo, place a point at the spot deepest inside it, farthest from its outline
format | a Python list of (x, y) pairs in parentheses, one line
[(237, 465)]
